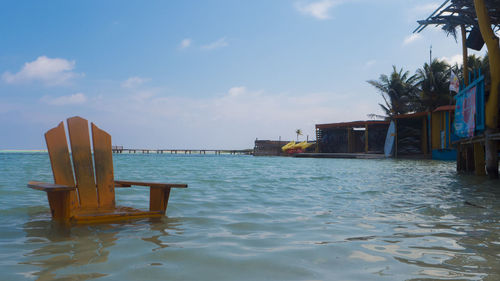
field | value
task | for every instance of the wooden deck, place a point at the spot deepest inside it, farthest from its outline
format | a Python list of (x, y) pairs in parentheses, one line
[(471, 153), (120, 149), (340, 155)]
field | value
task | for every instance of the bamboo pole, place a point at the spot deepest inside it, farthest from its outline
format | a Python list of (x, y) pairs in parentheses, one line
[(465, 56), (491, 107)]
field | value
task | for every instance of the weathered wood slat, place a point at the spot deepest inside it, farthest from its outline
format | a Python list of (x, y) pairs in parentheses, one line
[(99, 216), (62, 171), (49, 187), (103, 159), (151, 184), (78, 129)]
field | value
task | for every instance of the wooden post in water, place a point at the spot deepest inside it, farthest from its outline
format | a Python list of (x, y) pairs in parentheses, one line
[(396, 138), (479, 162), (424, 135), (459, 157), (491, 154), (349, 140), (469, 158), (366, 138)]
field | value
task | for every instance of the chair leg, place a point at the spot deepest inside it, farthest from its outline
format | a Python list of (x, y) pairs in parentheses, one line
[(158, 199), (60, 204)]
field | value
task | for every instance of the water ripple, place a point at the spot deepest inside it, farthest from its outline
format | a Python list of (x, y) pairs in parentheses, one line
[(251, 218)]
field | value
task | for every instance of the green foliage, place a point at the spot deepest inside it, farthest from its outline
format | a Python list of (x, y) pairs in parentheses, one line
[(299, 133), (398, 91), (433, 84), (475, 63), (424, 91)]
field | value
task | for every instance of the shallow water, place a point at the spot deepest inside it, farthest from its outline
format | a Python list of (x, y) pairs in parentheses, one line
[(261, 218)]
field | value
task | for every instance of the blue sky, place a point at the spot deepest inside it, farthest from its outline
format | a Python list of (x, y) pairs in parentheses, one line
[(202, 74)]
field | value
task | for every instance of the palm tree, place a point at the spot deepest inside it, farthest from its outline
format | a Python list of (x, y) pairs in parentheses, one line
[(433, 85), (398, 91), (299, 133), (474, 64)]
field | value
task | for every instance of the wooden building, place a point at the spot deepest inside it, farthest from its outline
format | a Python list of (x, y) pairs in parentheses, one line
[(412, 131), (352, 137), (269, 148), (442, 133), (477, 20)]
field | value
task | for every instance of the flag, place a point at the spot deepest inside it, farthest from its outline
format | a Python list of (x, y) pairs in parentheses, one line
[(454, 83)]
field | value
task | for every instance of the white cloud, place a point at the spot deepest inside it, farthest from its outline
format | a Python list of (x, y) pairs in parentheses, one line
[(185, 43), (143, 96), (78, 98), (134, 82), (369, 63), (317, 9), (50, 71), (412, 38), (229, 120), (220, 43), (456, 59), (237, 91)]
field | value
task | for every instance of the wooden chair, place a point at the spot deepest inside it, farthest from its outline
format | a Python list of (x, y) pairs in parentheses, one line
[(91, 199)]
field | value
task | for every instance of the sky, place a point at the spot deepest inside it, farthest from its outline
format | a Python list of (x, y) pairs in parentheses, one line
[(207, 74)]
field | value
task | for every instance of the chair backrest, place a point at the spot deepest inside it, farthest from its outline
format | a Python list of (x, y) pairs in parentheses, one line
[(92, 192)]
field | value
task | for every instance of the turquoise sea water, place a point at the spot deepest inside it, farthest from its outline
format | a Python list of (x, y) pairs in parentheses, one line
[(261, 218)]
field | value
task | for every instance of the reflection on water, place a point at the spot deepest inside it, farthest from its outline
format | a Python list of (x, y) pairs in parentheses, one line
[(245, 218), (62, 247), (61, 251)]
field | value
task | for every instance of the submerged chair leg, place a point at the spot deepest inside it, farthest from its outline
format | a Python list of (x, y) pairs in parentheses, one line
[(158, 199), (60, 204)]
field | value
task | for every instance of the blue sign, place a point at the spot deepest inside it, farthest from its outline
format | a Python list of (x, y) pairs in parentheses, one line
[(469, 110)]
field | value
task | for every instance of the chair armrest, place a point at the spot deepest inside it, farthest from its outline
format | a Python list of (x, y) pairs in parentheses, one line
[(150, 184), (49, 187), (121, 185)]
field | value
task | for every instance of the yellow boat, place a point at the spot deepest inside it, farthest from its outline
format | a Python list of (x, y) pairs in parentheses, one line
[(298, 147), (302, 145), (287, 146)]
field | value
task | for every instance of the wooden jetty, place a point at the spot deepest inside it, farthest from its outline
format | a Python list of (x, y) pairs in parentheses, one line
[(121, 149)]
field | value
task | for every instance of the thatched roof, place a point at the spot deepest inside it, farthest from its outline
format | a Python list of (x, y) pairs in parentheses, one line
[(453, 13)]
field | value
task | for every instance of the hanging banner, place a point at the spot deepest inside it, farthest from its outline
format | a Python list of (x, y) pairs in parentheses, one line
[(465, 112), (454, 82)]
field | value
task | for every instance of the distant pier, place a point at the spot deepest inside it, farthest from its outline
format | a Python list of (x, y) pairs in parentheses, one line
[(121, 149)]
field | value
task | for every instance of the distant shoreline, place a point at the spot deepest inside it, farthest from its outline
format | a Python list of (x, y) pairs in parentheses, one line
[(22, 150)]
